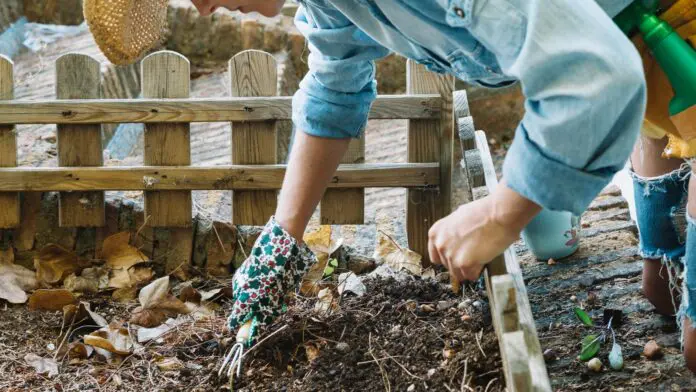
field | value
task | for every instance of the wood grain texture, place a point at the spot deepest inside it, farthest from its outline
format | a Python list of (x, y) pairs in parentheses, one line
[(517, 373), (508, 264), (78, 76), (254, 74), (236, 177), (167, 75), (109, 111), (346, 206), (9, 202), (429, 141)]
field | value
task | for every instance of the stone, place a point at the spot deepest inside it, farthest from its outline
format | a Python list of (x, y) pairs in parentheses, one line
[(595, 364), (652, 350)]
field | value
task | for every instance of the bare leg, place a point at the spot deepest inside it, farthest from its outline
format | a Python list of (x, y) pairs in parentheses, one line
[(313, 162), (647, 162)]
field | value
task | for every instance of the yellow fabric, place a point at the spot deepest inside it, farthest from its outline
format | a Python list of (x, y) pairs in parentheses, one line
[(682, 17)]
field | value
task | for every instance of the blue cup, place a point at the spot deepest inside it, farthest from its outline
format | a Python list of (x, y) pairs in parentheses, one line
[(552, 235)]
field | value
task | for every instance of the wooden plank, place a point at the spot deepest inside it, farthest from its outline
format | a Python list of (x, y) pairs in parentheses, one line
[(474, 168), (254, 73), (109, 111), (9, 202), (508, 264), (429, 141), (346, 206), (517, 373), (78, 76), (167, 75), (239, 177)]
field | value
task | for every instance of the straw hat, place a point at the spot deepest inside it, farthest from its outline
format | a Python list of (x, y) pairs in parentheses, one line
[(125, 30)]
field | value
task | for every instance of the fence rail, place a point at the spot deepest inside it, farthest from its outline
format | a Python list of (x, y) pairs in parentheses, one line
[(253, 109)]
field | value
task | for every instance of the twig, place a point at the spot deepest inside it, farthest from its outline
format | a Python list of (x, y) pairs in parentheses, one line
[(385, 378), (478, 342), (490, 383), (137, 233)]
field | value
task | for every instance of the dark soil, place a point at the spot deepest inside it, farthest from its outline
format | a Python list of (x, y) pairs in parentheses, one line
[(391, 339), (388, 339)]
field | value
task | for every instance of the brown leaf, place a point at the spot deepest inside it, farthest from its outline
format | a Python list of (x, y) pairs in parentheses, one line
[(125, 294), (189, 294), (312, 351), (15, 280), (157, 304), (91, 280), (391, 254), (51, 300), (319, 241), (81, 314), (111, 338), (169, 364), (122, 258), (77, 350), (54, 263), (326, 303), (149, 318)]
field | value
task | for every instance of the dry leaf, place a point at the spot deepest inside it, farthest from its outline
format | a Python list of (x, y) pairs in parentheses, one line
[(312, 351), (54, 263), (189, 294), (319, 241), (147, 334), (350, 282), (79, 350), (391, 254), (15, 280), (169, 364), (125, 294), (91, 280), (111, 338), (157, 304), (325, 303), (81, 314), (122, 258), (42, 365), (51, 300)]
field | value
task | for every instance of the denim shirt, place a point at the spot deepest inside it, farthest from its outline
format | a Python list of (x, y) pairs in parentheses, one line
[(581, 77)]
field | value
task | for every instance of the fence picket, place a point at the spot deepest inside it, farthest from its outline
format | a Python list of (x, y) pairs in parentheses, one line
[(9, 202)]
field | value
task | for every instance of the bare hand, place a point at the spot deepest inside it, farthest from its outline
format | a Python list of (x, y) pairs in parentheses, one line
[(475, 233)]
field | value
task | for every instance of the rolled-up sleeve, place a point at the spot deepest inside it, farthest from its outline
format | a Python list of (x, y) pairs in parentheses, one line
[(585, 95), (335, 96)]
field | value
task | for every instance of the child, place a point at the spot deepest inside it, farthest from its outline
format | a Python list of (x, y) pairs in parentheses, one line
[(662, 182), (585, 99)]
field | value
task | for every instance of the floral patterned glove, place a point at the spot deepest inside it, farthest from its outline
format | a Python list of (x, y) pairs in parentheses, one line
[(275, 267)]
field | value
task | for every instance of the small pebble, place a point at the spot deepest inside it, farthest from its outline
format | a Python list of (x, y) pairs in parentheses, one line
[(478, 305), (448, 353), (551, 262), (550, 355), (652, 350), (51, 347), (595, 365), (431, 372), (573, 298), (343, 347), (462, 305), (411, 305), (411, 388), (443, 305), (466, 317)]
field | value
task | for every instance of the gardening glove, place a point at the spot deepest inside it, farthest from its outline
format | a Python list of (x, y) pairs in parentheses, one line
[(275, 266)]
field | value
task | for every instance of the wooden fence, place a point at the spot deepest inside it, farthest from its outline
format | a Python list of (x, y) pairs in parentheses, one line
[(253, 108)]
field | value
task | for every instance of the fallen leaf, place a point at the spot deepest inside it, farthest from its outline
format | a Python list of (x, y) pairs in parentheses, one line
[(590, 347), (42, 365), (189, 294), (312, 351), (391, 254), (91, 280), (350, 282), (15, 280), (81, 315), (319, 241), (616, 357), (170, 364), (125, 294), (55, 263), (51, 300), (111, 338), (78, 350), (147, 334), (584, 317), (325, 304), (122, 259), (157, 304), (215, 294)]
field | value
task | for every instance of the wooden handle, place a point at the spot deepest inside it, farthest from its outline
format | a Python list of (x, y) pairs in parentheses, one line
[(244, 332)]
